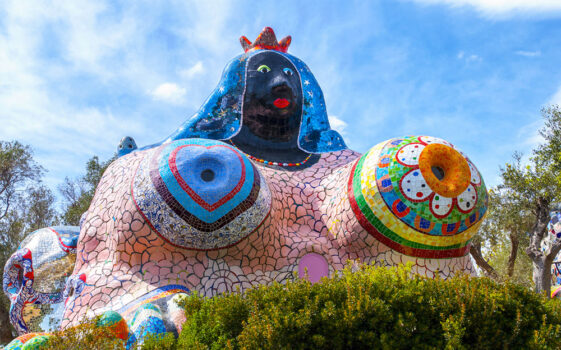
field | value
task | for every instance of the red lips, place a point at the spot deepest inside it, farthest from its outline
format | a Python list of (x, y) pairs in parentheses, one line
[(281, 103)]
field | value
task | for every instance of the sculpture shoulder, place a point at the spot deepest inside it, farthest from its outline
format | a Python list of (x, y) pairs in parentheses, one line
[(338, 158)]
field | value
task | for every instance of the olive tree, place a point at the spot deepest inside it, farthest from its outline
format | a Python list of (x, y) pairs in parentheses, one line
[(534, 188), (25, 205), (498, 249)]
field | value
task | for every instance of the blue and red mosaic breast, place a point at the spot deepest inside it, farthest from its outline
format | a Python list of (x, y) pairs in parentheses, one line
[(200, 194)]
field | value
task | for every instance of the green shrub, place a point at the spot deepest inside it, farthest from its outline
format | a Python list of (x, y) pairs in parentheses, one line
[(88, 335), (374, 308), (166, 341)]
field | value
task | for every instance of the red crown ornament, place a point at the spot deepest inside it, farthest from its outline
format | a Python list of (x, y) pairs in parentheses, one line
[(267, 40)]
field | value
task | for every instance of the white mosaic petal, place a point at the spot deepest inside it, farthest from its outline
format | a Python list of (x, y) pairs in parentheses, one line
[(475, 178), (409, 154), (414, 187), (429, 139), (441, 205), (468, 199)]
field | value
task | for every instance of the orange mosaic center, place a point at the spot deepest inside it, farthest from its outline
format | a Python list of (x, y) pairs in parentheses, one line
[(455, 169)]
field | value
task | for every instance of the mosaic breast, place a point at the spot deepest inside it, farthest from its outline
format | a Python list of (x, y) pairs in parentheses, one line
[(419, 195), (35, 277), (54, 251), (200, 194)]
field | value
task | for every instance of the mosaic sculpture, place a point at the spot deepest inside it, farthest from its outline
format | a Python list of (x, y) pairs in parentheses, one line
[(554, 228), (255, 187)]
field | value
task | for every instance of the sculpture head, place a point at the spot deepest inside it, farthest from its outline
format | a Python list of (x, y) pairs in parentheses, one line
[(267, 102), (272, 105), (126, 146)]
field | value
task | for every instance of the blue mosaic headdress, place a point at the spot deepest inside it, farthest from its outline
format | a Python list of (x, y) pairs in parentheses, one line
[(221, 116)]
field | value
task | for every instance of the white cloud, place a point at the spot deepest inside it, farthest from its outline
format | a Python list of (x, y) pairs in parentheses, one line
[(84, 39), (208, 24), (63, 136), (337, 124), (528, 135), (44, 47), (197, 69), (529, 138), (556, 98), (74, 74), (494, 8), (468, 58), (528, 53), (533, 139), (169, 92), (473, 58)]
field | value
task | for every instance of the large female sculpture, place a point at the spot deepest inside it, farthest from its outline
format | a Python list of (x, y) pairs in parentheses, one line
[(255, 187)]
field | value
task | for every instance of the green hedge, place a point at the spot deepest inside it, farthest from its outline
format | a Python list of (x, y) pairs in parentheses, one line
[(374, 308)]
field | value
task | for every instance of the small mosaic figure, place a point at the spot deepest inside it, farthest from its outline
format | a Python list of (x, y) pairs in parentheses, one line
[(126, 146), (255, 188)]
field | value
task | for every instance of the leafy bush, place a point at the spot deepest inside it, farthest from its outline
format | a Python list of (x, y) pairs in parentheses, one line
[(372, 308), (375, 308), (166, 341), (88, 335)]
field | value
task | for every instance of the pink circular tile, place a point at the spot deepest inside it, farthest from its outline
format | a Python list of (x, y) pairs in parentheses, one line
[(314, 265)]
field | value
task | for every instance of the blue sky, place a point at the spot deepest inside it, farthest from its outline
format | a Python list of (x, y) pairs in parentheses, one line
[(77, 76)]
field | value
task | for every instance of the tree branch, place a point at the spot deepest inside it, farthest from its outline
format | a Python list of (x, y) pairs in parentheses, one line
[(553, 251), (538, 231), (8, 203), (488, 270), (513, 254)]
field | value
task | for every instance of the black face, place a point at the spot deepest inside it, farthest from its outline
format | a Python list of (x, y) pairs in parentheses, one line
[(273, 98), (272, 111)]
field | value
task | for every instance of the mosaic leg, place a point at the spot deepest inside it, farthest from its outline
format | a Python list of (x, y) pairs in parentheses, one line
[(147, 322), (29, 341), (176, 314)]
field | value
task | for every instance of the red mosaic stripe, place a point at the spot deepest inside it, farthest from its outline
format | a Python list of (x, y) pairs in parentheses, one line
[(193, 194)]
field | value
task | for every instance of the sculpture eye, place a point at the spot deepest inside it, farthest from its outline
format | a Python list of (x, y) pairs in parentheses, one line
[(288, 71), (264, 68)]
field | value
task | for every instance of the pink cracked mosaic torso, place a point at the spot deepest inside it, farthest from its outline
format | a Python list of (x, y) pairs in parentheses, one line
[(309, 218)]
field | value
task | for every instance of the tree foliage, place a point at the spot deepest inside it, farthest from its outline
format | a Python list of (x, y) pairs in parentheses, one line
[(17, 169), (79, 193), (25, 206), (499, 246), (532, 189)]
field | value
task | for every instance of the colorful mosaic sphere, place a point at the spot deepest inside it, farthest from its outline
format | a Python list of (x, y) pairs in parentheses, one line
[(115, 323), (28, 341), (36, 343), (419, 195), (147, 322), (201, 194)]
